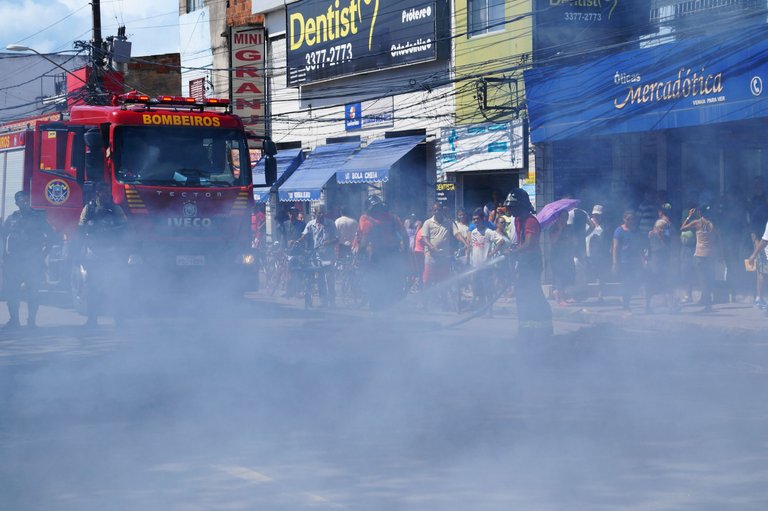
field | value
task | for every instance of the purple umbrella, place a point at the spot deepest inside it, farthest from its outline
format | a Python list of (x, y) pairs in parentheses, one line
[(548, 213)]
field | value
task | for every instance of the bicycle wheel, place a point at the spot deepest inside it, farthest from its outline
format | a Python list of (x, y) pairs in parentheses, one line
[(275, 275)]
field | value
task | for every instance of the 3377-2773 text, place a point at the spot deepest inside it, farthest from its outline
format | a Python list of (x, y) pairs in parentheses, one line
[(583, 16), (327, 57)]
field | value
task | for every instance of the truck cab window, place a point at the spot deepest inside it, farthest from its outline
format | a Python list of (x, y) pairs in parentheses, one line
[(171, 156)]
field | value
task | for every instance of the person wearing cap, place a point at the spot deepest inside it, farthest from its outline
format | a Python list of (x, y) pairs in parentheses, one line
[(103, 227), (597, 249), (534, 315), (26, 236)]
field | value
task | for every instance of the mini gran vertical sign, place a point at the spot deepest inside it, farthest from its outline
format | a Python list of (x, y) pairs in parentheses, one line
[(248, 83)]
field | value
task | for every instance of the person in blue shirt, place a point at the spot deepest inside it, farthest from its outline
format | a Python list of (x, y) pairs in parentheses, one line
[(628, 255)]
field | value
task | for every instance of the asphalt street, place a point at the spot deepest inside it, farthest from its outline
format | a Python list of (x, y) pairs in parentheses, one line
[(205, 405)]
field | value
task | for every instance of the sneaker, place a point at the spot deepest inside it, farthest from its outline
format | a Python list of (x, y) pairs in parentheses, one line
[(760, 304)]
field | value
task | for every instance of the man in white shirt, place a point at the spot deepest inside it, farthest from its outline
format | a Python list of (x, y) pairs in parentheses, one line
[(346, 227), (436, 234), (484, 242), (324, 238)]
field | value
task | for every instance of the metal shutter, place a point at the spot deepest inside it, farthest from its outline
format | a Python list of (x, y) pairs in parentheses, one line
[(13, 170)]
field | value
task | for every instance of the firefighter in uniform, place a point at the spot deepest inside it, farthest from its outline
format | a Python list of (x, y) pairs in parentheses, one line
[(103, 228), (26, 237)]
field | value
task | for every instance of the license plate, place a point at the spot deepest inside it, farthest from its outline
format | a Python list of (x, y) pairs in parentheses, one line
[(190, 260)]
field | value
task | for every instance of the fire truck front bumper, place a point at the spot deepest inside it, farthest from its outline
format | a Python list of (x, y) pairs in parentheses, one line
[(190, 266)]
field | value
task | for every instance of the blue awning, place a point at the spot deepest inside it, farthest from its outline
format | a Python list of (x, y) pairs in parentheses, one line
[(321, 164), (372, 163), (684, 83), (287, 161)]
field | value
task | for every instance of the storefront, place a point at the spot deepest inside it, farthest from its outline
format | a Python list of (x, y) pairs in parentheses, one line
[(393, 87), (344, 174), (686, 117), (480, 159), (392, 167)]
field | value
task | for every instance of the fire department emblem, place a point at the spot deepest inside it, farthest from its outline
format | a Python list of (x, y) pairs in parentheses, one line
[(189, 210), (57, 192)]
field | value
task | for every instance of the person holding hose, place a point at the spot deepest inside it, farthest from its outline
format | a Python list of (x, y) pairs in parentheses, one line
[(533, 312)]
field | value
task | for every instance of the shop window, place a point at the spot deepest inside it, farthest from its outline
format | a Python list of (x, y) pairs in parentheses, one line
[(485, 16), (193, 5)]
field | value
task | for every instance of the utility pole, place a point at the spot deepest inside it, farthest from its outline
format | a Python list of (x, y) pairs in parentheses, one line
[(96, 10), (96, 79)]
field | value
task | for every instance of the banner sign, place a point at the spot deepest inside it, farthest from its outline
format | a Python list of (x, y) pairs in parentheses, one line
[(249, 99), (12, 140), (197, 89), (686, 83), (367, 176), (377, 113), (566, 28), (446, 195), (479, 147), (327, 39)]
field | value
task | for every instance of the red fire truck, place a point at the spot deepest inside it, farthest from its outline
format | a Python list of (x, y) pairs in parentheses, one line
[(178, 167)]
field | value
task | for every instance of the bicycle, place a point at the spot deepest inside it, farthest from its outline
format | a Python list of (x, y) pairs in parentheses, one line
[(460, 295), (315, 277), (276, 268), (349, 281)]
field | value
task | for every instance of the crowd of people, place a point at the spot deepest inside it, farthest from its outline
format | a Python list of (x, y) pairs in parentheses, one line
[(576, 252), (703, 258), (397, 257), (640, 252)]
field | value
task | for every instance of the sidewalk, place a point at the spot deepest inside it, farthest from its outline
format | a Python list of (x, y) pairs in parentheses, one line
[(731, 319)]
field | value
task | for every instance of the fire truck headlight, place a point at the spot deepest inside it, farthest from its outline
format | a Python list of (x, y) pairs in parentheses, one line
[(246, 259), (134, 259)]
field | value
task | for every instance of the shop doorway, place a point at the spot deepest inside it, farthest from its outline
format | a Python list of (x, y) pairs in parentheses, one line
[(478, 187)]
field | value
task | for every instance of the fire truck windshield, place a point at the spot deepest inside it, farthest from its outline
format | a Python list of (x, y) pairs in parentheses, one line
[(176, 156)]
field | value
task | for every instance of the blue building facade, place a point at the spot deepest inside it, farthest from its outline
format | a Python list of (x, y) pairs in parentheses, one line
[(682, 110)]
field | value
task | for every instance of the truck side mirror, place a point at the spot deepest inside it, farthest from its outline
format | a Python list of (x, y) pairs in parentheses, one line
[(270, 169), (270, 148)]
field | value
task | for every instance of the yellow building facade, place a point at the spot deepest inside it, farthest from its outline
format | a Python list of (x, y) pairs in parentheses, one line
[(485, 153), (491, 51)]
